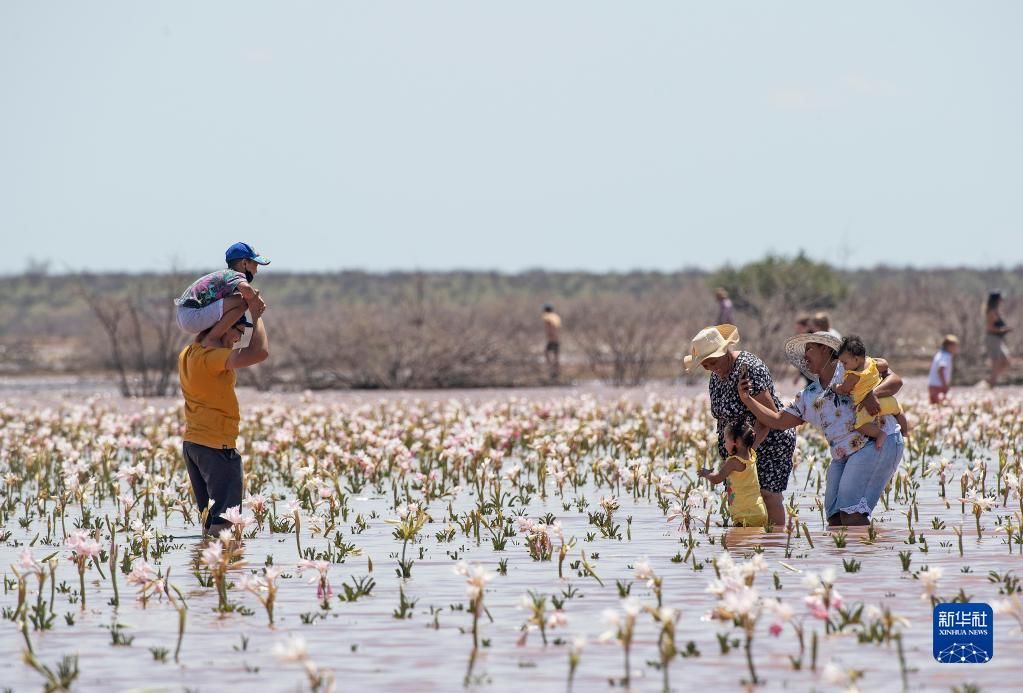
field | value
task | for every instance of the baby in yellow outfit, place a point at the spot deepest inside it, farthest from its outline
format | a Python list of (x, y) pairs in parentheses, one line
[(861, 377), (739, 472)]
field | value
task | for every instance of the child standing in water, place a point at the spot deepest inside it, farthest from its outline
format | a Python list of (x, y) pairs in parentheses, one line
[(939, 380), (861, 377), (739, 472)]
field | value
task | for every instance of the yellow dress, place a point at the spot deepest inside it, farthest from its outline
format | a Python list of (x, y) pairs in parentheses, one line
[(869, 379), (742, 490)]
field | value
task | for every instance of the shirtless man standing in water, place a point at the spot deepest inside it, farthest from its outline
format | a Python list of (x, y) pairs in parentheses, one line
[(552, 327)]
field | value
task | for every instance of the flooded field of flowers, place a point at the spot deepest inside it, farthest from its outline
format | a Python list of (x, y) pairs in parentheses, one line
[(556, 541)]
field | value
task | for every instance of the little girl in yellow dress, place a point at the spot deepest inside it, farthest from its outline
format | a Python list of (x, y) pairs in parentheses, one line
[(861, 377), (739, 472)]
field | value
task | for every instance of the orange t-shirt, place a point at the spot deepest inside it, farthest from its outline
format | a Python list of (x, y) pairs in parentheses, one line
[(211, 405)]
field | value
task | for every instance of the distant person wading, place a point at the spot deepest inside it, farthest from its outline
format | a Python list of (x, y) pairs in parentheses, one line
[(552, 330), (995, 339), (821, 322), (939, 378), (725, 307)]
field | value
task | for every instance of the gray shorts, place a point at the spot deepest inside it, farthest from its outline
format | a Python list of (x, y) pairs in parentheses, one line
[(215, 475), (996, 349), (195, 320)]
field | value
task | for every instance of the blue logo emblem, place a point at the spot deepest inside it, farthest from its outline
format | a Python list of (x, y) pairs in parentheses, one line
[(964, 633)]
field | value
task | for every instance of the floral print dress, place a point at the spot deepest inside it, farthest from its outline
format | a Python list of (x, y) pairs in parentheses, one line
[(774, 456)]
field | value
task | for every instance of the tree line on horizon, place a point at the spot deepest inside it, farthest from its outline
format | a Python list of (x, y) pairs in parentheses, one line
[(355, 329)]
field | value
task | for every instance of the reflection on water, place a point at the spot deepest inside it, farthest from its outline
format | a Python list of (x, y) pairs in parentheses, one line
[(368, 648)]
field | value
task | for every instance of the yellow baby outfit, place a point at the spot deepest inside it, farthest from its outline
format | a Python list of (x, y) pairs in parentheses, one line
[(742, 490), (869, 379)]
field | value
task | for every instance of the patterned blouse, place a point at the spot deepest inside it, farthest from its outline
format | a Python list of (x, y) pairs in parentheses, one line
[(834, 415)]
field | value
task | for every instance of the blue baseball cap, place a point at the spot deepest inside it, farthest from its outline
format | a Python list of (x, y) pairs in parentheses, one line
[(244, 251)]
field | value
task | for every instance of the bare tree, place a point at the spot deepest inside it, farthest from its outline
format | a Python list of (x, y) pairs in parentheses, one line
[(624, 338), (414, 344), (141, 332), (417, 330)]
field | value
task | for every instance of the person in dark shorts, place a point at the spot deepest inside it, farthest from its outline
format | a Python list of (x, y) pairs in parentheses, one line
[(552, 328), (206, 368)]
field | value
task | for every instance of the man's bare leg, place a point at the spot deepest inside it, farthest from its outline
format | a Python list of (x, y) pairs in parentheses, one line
[(775, 505), (233, 301)]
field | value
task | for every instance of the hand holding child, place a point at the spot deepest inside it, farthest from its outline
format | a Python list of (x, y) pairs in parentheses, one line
[(870, 403)]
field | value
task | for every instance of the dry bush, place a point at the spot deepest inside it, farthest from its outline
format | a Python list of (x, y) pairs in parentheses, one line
[(905, 316), (19, 355), (624, 338), (484, 329), (408, 346), (141, 333), (871, 314)]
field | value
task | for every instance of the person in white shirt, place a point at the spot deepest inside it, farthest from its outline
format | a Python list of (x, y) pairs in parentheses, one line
[(940, 378)]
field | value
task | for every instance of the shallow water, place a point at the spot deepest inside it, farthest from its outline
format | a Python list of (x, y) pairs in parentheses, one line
[(367, 648)]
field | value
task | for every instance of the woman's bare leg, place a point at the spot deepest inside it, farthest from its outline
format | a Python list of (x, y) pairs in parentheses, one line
[(774, 502), (997, 368)]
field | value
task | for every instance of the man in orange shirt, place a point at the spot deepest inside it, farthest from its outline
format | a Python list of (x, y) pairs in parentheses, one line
[(206, 368)]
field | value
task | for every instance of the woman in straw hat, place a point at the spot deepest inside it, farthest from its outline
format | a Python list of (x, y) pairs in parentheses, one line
[(712, 349), (858, 472)]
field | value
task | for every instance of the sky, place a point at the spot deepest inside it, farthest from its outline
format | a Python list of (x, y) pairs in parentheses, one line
[(580, 135)]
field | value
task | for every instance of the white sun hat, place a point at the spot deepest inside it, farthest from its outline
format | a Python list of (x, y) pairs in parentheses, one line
[(794, 347), (710, 342)]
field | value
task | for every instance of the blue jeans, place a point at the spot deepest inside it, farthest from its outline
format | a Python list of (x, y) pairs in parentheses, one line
[(855, 483)]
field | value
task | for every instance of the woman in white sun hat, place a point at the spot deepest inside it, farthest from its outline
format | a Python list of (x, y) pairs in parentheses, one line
[(712, 348), (858, 472)]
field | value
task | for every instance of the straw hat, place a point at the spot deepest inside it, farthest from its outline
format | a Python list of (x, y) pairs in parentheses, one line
[(794, 347), (710, 342)]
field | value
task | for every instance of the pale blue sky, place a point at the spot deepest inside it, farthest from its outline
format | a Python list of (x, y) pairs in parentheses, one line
[(483, 135)]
